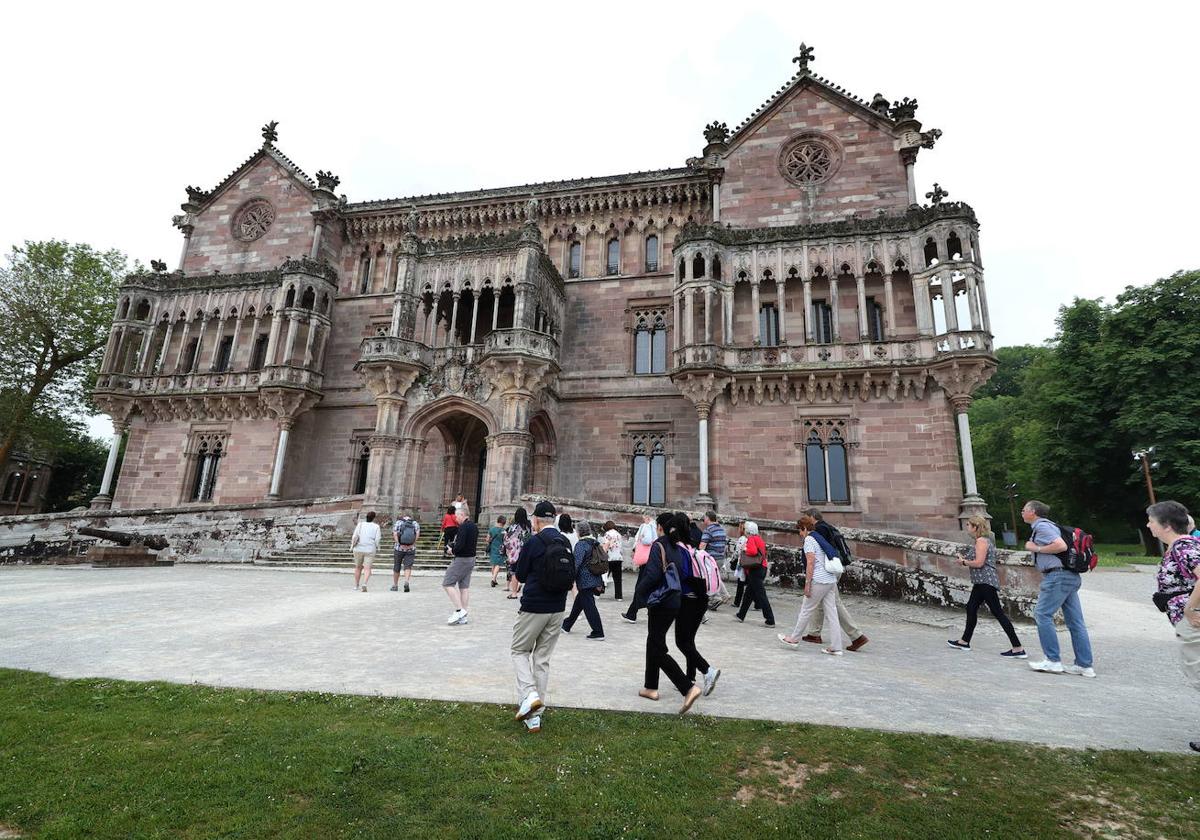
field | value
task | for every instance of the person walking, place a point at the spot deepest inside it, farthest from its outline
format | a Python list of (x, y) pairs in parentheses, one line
[(567, 528), (735, 563), (515, 536), (662, 607), (364, 545), (405, 533), (588, 584), (539, 620), (495, 547), (1059, 589), (985, 588), (645, 537), (820, 586), (1178, 594), (714, 540), (833, 542), (460, 504), (692, 607), (754, 563), (457, 580), (612, 543), (449, 525)]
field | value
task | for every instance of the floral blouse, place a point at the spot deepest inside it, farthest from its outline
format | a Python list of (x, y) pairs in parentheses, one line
[(1178, 572)]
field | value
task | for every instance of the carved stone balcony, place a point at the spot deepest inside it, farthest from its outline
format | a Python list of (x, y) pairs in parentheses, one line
[(521, 342), (854, 354), (390, 348), (200, 383)]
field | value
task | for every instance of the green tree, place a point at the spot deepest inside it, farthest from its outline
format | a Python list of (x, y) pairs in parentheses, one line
[(1009, 378), (56, 304)]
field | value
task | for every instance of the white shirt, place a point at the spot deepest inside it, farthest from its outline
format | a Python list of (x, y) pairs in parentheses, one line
[(367, 534), (647, 533), (613, 538), (811, 546)]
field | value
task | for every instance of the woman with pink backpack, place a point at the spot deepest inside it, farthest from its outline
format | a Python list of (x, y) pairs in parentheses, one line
[(694, 603), (645, 538)]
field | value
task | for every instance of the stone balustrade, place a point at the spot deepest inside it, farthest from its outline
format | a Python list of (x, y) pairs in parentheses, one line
[(208, 382), (521, 341), (390, 348)]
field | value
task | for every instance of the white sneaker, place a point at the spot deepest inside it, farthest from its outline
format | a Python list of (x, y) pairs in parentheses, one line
[(533, 723), (1047, 667), (710, 680), (463, 620), (455, 616), (1080, 672), (532, 703)]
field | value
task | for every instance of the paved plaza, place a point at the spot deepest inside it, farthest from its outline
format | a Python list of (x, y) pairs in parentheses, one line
[(309, 630)]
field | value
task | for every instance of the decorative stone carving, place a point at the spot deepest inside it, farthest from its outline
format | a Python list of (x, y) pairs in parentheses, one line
[(158, 266), (880, 105), (809, 160), (716, 132), (253, 220), (936, 195), (905, 109), (805, 56), (327, 180), (269, 134)]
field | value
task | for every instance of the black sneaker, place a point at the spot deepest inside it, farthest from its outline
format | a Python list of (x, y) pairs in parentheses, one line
[(406, 587), (393, 589), (595, 637), (1194, 745), (627, 618), (565, 629), (768, 624), (957, 645)]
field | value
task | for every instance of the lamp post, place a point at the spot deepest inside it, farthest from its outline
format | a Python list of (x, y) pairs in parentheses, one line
[(1143, 456), (1011, 490)]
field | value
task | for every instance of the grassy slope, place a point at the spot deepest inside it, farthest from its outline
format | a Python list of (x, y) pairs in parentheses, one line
[(118, 759)]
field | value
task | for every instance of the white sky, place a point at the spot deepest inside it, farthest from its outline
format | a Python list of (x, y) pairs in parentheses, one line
[(1069, 127)]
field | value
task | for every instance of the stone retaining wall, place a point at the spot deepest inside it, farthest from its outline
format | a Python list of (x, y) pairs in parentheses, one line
[(917, 569), (217, 534)]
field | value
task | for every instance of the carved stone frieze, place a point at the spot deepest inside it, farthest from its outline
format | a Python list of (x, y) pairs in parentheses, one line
[(828, 386)]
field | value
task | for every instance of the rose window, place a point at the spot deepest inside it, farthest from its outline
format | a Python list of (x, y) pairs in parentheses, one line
[(253, 220), (808, 161)]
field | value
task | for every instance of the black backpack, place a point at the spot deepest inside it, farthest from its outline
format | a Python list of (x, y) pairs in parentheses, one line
[(558, 566), (837, 541), (408, 532), (597, 561)]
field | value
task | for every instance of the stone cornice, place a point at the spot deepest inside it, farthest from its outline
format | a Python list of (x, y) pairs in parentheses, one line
[(912, 220), (179, 282)]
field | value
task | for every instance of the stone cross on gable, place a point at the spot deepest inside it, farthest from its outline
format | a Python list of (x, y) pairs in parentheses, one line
[(270, 135), (806, 55), (937, 194)]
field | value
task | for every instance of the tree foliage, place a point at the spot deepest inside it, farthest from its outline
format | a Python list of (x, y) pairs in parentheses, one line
[(56, 305), (1061, 421)]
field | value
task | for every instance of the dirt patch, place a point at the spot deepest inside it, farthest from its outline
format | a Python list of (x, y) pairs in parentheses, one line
[(7, 831), (1105, 818), (787, 777)]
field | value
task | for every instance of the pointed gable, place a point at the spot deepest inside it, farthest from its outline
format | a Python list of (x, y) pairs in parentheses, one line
[(255, 218), (811, 153)]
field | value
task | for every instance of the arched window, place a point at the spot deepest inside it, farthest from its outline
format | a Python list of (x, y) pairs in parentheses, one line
[(652, 253), (827, 468), (207, 459), (650, 343), (697, 266), (931, 254), (124, 309), (12, 486), (309, 298), (716, 268), (290, 300), (364, 274), (768, 324), (362, 462), (649, 472), (143, 311), (954, 249), (679, 274), (613, 260), (574, 265)]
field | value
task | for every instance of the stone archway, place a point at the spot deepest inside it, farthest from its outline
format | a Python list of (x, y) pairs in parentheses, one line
[(545, 455), (446, 445)]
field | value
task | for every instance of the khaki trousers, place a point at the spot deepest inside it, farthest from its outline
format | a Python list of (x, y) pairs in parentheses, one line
[(1189, 652), (533, 640), (817, 619)]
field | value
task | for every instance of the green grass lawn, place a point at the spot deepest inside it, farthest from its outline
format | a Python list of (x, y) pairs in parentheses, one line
[(103, 758), (1121, 554)]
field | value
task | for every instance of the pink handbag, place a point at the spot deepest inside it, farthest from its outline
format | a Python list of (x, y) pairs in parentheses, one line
[(641, 553)]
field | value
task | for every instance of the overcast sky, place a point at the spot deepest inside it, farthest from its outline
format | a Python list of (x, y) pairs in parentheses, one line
[(1071, 131)]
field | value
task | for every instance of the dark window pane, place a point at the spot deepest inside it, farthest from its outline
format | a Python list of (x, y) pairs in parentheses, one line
[(659, 354), (641, 356), (658, 480), (839, 479), (768, 322), (614, 256), (814, 455), (641, 483), (576, 254), (652, 253)]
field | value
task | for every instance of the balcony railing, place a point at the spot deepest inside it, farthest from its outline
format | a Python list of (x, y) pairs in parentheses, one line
[(527, 342), (843, 354), (209, 382), (390, 348)]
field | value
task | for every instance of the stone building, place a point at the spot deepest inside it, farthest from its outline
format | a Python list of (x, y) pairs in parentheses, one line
[(24, 482), (780, 320)]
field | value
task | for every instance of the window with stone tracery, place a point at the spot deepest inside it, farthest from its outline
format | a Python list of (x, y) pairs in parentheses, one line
[(253, 220), (649, 466), (808, 161), (205, 451), (360, 458), (652, 253), (827, 443), (650, 341)]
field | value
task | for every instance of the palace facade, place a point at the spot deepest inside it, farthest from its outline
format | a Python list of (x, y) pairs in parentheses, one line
[(779, 321)]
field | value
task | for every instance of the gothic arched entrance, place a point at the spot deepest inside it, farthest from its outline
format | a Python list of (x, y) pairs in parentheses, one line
[(447, 444)]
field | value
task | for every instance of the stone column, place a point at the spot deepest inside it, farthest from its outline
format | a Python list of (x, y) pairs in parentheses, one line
[(727, 316), (369, 286), (161, 360), (909, 159), (972, 503), (387, 272), (703, 390), (924, 305), (308, 340), (495, 310), (253, 339), (690, 316), (212, 362), (675, 298), (285, 426), (809, 335), (708, 315), (474, 315), (890, 302), (183, 341), (948, 303), (754, 312), (237, 334), (187, 229), (973, 302), (318, 229), (389, 383), (835, 307), (103, 501), (452, 335), (780, 306), (716, 202), (290, 344), (983, 307), (860, 283)]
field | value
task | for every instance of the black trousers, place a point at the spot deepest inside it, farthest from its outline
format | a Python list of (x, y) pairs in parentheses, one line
[(585, 602), (614, 571), (657, 658), (635, 605), (756, 577), (691, 613), (985, 593)]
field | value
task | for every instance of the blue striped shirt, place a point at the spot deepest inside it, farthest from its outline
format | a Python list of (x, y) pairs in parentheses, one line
[(714, 540)]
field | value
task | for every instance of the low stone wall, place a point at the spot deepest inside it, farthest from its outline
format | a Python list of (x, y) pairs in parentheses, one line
[(217, 534), (916, 569)]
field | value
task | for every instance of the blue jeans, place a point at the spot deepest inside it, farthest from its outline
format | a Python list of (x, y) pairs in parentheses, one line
[(1061, 590)]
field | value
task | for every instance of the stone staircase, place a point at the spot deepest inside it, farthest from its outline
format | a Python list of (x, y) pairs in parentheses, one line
[(334, 552)]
